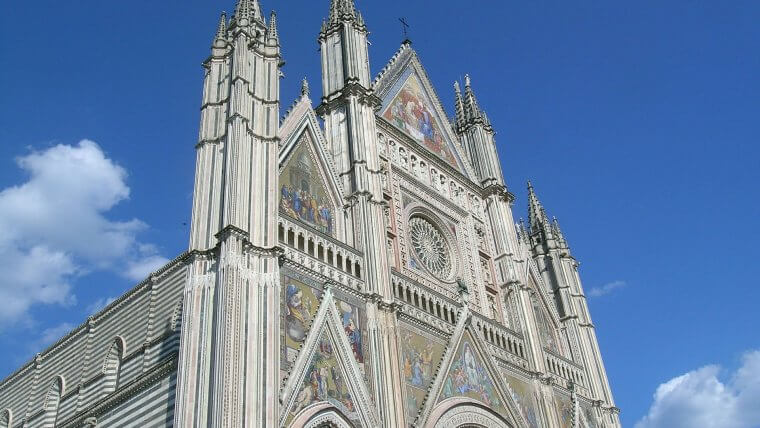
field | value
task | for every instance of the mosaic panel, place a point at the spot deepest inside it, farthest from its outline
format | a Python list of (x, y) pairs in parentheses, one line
[(412, 112), (420, 355), (468, 377), (522, 393), (588, 412), (302, 191), (324, 381), (301, 302), (564, 408)]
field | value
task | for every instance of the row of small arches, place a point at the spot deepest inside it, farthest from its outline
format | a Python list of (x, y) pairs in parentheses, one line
[(566, 373), (501, 340), (420, 169), (427, 303), (318, 250), (111, 370)]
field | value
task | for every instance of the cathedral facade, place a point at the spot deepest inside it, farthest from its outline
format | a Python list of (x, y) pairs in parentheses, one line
[(353, 263)]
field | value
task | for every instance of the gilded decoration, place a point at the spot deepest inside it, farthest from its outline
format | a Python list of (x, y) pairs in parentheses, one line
[(302, 296), (301, 304), (420, 355), (324, 381), (302, 191), (412, 112), (522, 394), (468, 377)]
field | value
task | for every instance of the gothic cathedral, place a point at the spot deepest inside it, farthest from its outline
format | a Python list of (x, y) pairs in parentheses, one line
[(354, 263)]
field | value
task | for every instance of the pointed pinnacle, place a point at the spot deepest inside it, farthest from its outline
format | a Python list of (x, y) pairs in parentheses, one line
[(304, 88), (221, 29), (459, 105), (272, 30), (243, 11), (536, 214)]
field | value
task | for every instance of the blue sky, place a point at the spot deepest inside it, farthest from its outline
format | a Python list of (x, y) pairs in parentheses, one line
[(637, 123)]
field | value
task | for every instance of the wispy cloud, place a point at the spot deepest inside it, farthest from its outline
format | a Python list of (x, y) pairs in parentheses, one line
[(606, 288), (700, 399), (54, 228), (49, 336), (99, 304)]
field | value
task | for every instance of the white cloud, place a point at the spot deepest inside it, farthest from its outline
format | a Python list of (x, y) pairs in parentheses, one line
[(50, 336), (99, 304), (700, 399), (53, 228), (606, 288)]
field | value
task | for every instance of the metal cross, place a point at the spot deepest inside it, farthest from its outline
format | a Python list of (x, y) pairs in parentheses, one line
[(404, 28)]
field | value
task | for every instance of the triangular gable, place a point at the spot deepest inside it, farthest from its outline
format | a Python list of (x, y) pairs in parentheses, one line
[(410, 104), (468, 373), (309, 190), (325, 374), (468, 377)]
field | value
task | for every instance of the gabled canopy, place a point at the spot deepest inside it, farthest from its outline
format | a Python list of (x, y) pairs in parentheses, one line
[(411, 104), (309, 189)]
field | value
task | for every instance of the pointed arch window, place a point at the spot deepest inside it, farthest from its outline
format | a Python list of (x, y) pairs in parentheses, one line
[(112, 366), (52, 402)]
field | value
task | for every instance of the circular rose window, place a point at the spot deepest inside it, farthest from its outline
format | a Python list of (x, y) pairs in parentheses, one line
[(430, 247)]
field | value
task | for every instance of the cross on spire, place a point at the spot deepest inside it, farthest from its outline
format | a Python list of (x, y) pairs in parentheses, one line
[(405, 30)]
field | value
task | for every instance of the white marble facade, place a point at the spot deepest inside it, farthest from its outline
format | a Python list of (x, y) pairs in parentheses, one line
[(364, 272)]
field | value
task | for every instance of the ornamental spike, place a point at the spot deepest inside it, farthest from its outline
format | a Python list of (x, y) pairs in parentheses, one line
[(272, 30), (221, 29)]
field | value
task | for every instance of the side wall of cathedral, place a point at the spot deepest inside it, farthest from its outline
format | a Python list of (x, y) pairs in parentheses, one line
[(120, 365)]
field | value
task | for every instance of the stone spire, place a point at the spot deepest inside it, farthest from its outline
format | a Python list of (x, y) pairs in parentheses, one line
[(342, 9), (537, 218), (459, 105), (247, 11), (471, 107), (272, 37), (557, 232), (221, 30)]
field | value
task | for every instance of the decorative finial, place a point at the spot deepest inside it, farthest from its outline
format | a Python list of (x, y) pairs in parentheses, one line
[(466, 80), (456, 87), (304, 88)]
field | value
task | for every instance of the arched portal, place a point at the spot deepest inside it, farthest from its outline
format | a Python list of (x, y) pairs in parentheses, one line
[(465, 413), (321, 415)]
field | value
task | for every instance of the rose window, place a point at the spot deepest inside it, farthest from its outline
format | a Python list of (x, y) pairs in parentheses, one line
[(430, 247)]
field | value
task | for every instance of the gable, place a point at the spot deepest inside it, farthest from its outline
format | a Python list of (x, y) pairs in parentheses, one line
[(468, 377), (324, 381), (409, 107), (327, 372), (304, 193)]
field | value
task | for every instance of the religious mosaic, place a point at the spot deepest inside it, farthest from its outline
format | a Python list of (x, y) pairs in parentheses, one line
[(522, 393), (301, 304), (324, 381), (468, 377), (351, 318), (564, 408), (588, 413), (302, 191), (412, 112), (419, 358)]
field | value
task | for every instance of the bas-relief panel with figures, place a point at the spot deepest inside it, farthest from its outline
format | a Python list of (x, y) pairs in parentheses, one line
[(412, 112), (468, 377), (302, 297), (522, 393), (420, 356), (302, 191)]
